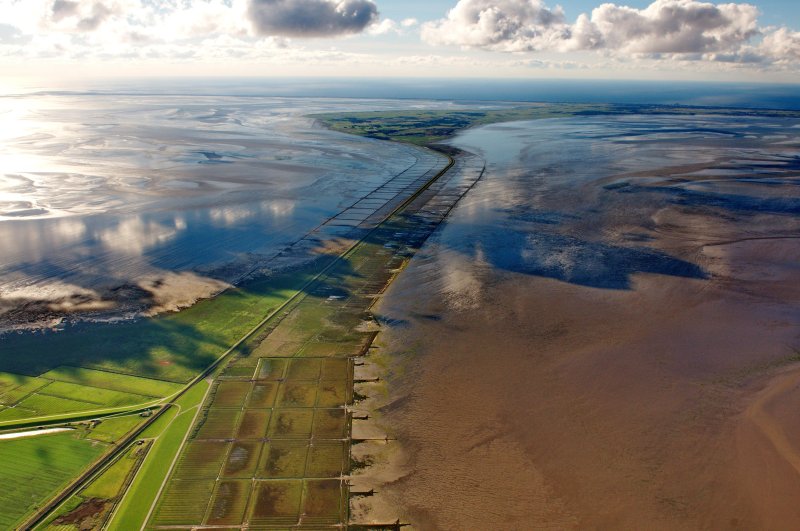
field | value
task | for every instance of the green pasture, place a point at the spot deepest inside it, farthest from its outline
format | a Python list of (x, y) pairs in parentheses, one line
[(36, 468), (90, 507), (65, 390), (112, 429)]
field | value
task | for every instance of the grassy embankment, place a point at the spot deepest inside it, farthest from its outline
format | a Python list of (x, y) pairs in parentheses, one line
[(167, 434)]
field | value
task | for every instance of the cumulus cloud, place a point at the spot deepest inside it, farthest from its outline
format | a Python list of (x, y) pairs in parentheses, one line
[(782, 44), (673, 27), (679, 29), (502, 25), (311, 18)]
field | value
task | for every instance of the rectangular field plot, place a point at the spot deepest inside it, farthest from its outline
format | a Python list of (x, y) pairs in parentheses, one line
[(283, 459), (326, 459), (336, 369), (201, 459), (217, 424), (263, 395), (276, 503), (26, 388), (53, 405), (9, 381), (231, 394), (238, 371), (254, 424), (229, 503), (276, 347), (271, 368), (330, 424), (297, 394), (333, 394), (183, 503), (291, 424), (111, 429), (114, 381), (17, 413), (304, 369), (242, 460), (97, 395), (323, 501)]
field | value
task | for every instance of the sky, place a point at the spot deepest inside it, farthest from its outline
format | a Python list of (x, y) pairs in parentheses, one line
[(752, 41)]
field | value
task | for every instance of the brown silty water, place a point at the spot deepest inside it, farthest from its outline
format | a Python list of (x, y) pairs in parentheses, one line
[(603, 335)]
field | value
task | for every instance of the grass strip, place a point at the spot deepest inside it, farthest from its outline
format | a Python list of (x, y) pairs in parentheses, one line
[(169, 432)]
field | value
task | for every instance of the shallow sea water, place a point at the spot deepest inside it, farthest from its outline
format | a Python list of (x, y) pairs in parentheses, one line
[(578, 199), (100, 190)]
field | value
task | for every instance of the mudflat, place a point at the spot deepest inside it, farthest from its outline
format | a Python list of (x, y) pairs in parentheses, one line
[(604, 335)]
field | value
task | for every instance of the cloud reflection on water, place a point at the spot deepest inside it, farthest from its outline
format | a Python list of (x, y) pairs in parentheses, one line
[(582, 200)]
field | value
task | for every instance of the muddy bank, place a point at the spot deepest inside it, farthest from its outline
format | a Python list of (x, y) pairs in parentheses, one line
[(602, 336)]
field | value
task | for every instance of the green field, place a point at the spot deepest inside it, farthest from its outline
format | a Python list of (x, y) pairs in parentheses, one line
[(35, 468), (112, 429), (65, 390), (114, 381), (91, 506)]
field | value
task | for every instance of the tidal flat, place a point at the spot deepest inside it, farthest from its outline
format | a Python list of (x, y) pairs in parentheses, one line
[(604, 332), (114, 205)]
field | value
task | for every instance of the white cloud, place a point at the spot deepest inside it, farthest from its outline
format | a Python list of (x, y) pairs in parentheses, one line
[(782, 44), (673, 29), (384, 27), (388, 26), (501, 25)]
